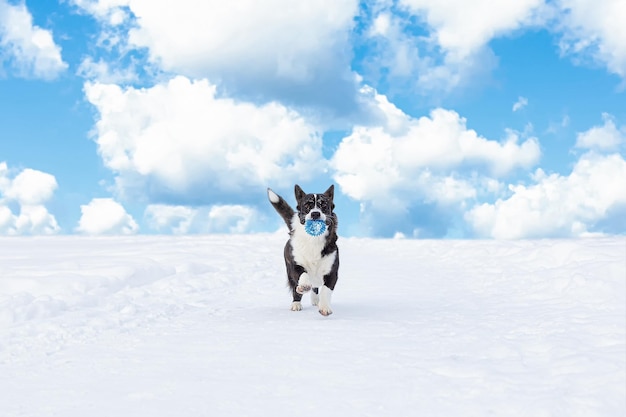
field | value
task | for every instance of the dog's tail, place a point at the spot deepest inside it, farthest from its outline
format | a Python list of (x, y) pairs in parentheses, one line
[(282, 207)]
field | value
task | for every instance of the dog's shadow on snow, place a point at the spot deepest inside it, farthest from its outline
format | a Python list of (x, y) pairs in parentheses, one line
[(348, 310)]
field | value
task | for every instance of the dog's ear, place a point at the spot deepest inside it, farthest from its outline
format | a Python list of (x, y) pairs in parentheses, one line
[(299, 192), (330, 193)]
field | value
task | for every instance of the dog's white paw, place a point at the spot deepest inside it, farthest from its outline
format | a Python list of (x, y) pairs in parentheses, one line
[(304, 284), (325, 311), (301, 289), (315, 299), (296, 306)]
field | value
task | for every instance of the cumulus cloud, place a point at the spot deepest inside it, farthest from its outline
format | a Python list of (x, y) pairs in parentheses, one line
[(179, 140), (595, 29), (31, 187), (409, 158), (165, 218), (7, 220), (35, 219), (461, 28), (297, 52), (176, 34), (453, 51), (28, 191), (31, 50), (607, 137), (455, 48), (559, 206), (586, 28), (229, 218), (105, 216)]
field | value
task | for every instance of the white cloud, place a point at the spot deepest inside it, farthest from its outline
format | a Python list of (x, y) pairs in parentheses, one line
[(231, 218), (31, 220), (602, 138), (213, 219), (303, 54), (520, 103), (405, 158), (35, 219), (31, 187), (7, 220), (557, 206), (105, 216), (177, 36), (170, 219), (298, 52), (462, 28), (28, 191), (454, 51), (31, 50), (596, 29), (179, 139), (113, 12)]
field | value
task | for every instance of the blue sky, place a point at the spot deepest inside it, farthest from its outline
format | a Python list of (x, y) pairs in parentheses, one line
[(458, 119)]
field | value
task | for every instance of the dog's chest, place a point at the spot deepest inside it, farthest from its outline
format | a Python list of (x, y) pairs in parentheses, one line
[(307, 252)]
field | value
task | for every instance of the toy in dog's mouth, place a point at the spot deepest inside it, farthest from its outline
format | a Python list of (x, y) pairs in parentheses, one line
[(315, 227)]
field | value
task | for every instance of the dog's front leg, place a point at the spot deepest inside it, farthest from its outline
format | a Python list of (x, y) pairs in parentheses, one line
[(326, 290), (324, 301), (296, 304), (315, 297)]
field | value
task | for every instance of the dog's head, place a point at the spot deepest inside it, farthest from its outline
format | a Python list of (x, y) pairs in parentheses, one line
[(315, 206)]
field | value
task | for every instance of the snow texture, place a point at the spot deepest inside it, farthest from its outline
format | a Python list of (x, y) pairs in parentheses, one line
[(193, 326), (315, 227)]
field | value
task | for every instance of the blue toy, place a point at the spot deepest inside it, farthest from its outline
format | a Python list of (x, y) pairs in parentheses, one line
[(315, 227)]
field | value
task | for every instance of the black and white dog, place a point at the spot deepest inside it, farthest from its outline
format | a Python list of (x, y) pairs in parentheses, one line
[(312, 261)]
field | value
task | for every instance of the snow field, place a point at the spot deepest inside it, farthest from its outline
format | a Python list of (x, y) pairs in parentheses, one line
[(171, 326)]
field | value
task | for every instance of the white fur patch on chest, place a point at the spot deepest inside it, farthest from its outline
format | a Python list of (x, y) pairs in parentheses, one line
[(307, 252)]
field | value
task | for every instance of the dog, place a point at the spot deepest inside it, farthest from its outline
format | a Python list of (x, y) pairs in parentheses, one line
[(312, 261)]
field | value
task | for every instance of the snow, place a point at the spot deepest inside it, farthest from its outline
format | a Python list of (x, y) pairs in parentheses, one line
[(193, 326)]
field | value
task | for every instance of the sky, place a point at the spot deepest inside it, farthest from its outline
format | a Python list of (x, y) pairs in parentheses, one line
[(457, 119)]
